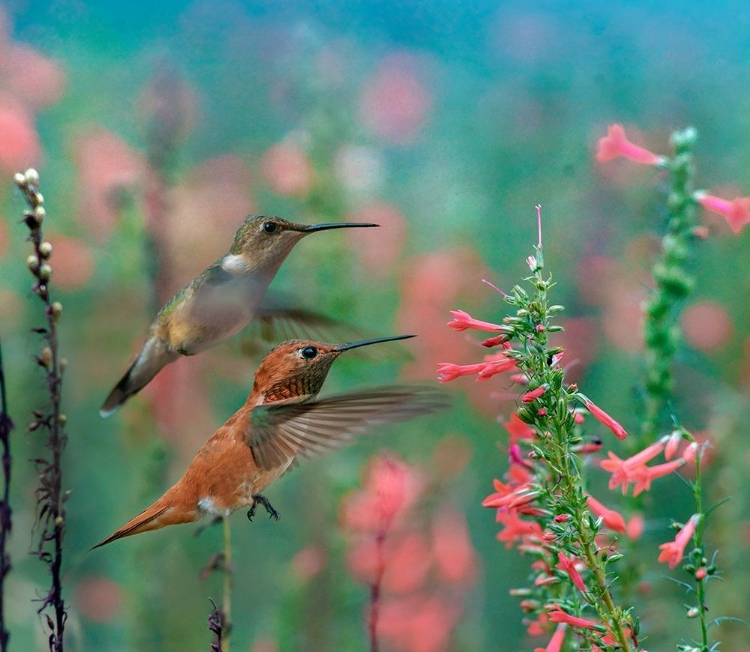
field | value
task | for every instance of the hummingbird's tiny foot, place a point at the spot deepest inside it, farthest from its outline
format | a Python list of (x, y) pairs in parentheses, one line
[(260, 499)]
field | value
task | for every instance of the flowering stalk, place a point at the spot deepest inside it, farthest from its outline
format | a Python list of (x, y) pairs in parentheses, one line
[(50, 498), (673, 284), (6, 425), (548, 486), (696, 564)]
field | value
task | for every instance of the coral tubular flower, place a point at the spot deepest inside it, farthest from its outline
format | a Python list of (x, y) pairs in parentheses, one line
[(448, 371), (672, 551), (555, 643), (568, 566), (629, 470), (604, 418), (557, 615), (495, 364), (516, 528), (645, 474), (736, 212), (673, 443), (534, 394), (495, 341), (615, 144), (611, 519), (463, 320)]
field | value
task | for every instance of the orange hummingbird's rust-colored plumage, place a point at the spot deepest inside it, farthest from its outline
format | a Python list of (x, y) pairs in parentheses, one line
[(281, 421)]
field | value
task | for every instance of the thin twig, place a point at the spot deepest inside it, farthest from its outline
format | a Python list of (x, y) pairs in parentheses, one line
[(6, 513), (226, 607), (50, 522)]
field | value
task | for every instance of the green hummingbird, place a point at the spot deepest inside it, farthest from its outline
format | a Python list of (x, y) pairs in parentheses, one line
[(220, 302)]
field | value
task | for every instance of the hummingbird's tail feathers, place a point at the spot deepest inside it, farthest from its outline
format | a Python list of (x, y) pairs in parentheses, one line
[(277, 432), (159, 515), (150, 361)]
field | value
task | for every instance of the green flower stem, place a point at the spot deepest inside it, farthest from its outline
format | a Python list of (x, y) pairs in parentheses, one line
[(673, 284), (566, 488), (698, 554)]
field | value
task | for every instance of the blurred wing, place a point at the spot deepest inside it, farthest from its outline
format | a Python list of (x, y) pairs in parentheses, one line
[(280, 432)]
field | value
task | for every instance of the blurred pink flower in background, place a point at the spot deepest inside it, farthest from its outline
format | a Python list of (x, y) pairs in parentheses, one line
[(31, 77), (426, 570), (736, 212), (454, 553), (395, 103), (107, 167), (615, 145), (430, 287), (72, 262), (98, 599), (391, 488), (309, 561), (19, 142), (379, 256), (287, 169), (29, 81), (707, 325)]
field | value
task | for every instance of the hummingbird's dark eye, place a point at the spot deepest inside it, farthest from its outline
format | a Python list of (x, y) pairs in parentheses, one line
[(270, 227), (309, 352)]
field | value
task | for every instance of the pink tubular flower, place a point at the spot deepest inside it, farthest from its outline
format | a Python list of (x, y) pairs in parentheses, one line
[(672, 551), (673, 444), (555, 643), (495, 364), (604, 418), (516, 528), (611, 519), (448, 371), (736, 212), (690, 452), (568, 566), (463, 320), (626, 471), (557, 615), (645, 474), (534, 394), (615, 144), (495, 341)]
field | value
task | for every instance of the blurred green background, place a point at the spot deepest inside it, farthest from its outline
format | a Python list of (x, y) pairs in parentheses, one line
[(157, 127)]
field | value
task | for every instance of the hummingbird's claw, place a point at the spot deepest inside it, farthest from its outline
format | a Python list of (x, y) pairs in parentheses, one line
[(260, 499)]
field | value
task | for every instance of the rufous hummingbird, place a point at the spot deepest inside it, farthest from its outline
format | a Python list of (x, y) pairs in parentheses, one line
[(281, 422), (219, 303)]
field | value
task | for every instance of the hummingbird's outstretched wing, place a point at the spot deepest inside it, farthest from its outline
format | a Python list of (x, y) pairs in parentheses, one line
[(278, 432), (277, 322)]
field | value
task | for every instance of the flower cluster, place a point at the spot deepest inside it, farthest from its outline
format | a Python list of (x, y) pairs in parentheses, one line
[(418, 575)]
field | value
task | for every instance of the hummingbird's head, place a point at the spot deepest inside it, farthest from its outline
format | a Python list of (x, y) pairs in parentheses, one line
[(298, 368), (267, 240)]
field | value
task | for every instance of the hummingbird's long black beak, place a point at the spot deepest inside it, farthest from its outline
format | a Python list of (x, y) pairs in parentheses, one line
[(355, 345), (339, 225)]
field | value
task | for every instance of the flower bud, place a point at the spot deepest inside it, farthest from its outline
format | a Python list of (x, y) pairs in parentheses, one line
[(62, 419), (45, 271), (63, 364), (31, 176), (56, 310), (41, 291), (39, 199), (45, 249), (59, 521), (45, 359), (32, 262), (40, 213), (692, 612)]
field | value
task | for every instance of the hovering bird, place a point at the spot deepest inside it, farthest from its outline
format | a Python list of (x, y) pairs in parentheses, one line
[(220, 302), (281, 422)]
